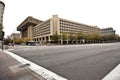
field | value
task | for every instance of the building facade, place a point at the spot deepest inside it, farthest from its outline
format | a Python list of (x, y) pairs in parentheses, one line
[(14, 36), (43, 31), (46, 29), (2, 6), (26, 27), (107, 31)]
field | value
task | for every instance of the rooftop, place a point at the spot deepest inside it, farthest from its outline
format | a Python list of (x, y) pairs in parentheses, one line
[(28, 21)]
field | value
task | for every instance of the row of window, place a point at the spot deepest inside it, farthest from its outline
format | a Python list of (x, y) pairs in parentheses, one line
[(76, 29), (63, 22), (66, 25), (42, 29), (73, 28), (41, 33)]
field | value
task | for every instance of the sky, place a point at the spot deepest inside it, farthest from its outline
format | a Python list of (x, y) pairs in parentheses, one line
[(101, 13)]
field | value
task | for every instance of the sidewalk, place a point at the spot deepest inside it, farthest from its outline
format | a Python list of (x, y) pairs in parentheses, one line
[(10, 69)]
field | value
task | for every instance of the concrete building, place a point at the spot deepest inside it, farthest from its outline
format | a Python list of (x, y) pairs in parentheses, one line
[(45, 29), (14, 36), (2, 6), (107, 31), (26, 27)]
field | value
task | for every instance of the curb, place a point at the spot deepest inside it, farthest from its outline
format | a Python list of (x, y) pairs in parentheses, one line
[(114, 74), (46, 74)]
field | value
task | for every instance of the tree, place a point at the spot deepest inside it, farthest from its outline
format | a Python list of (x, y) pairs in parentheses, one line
[(71, 37), (25, 39), (7, 41), (19, 41), (55, 37), (96, 36), (64, 36), (80, 35)]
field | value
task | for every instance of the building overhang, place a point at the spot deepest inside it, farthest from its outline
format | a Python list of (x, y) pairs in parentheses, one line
[(27, 22)]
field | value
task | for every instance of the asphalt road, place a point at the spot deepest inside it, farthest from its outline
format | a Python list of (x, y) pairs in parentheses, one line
[(74, 62)]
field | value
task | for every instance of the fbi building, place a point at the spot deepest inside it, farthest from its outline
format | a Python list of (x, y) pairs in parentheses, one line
[(42, 31)]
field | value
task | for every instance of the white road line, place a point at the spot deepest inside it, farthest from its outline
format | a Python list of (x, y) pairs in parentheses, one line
[(114, 74), (48, 75)]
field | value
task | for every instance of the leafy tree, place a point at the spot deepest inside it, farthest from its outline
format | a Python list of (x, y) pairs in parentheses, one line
[(25, 39), (64, 36), (7, 41), (55, 37), (21, 40), (80, 35), (71, 37), (96, 36)]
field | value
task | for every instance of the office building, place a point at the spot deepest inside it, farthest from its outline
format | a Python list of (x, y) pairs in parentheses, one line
[(14, 36), (26, 27), (42, 31), (2, 5), (107, 31)]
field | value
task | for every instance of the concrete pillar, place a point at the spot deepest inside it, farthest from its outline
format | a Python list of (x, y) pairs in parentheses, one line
[(30, 32), (20, 34), (61, 39), (67, 41), (49, 38), (45, 39)]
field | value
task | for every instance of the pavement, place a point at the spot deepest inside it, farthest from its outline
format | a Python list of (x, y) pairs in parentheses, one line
[(11, 69), (74, 62)]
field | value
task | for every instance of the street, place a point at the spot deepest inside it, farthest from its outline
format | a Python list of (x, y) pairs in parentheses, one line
[(74, 62)]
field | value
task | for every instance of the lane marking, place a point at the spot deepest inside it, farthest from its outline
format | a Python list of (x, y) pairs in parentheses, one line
[(114, 74), (48, 75)]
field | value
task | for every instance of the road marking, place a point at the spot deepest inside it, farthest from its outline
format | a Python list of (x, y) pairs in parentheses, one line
[(48, 75), (114, 74)]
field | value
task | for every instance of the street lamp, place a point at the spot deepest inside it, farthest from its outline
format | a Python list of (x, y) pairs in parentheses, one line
[(1, 36), (2, 39)]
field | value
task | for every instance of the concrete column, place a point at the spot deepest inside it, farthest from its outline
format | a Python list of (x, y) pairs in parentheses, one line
[(49, 38), (20, 34), (45, 39), (30, 32), (67, 41), (61, 39)]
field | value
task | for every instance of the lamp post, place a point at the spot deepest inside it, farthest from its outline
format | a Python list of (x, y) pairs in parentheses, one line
[(2, 40), (61, 39), (1, 36)]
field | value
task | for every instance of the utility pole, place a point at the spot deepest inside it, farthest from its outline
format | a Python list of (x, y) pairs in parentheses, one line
[(2, 40), (61, 39), (2, 6), (1, 36)]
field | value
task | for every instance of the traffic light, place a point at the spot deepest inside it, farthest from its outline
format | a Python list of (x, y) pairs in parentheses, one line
[(2, 35)]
